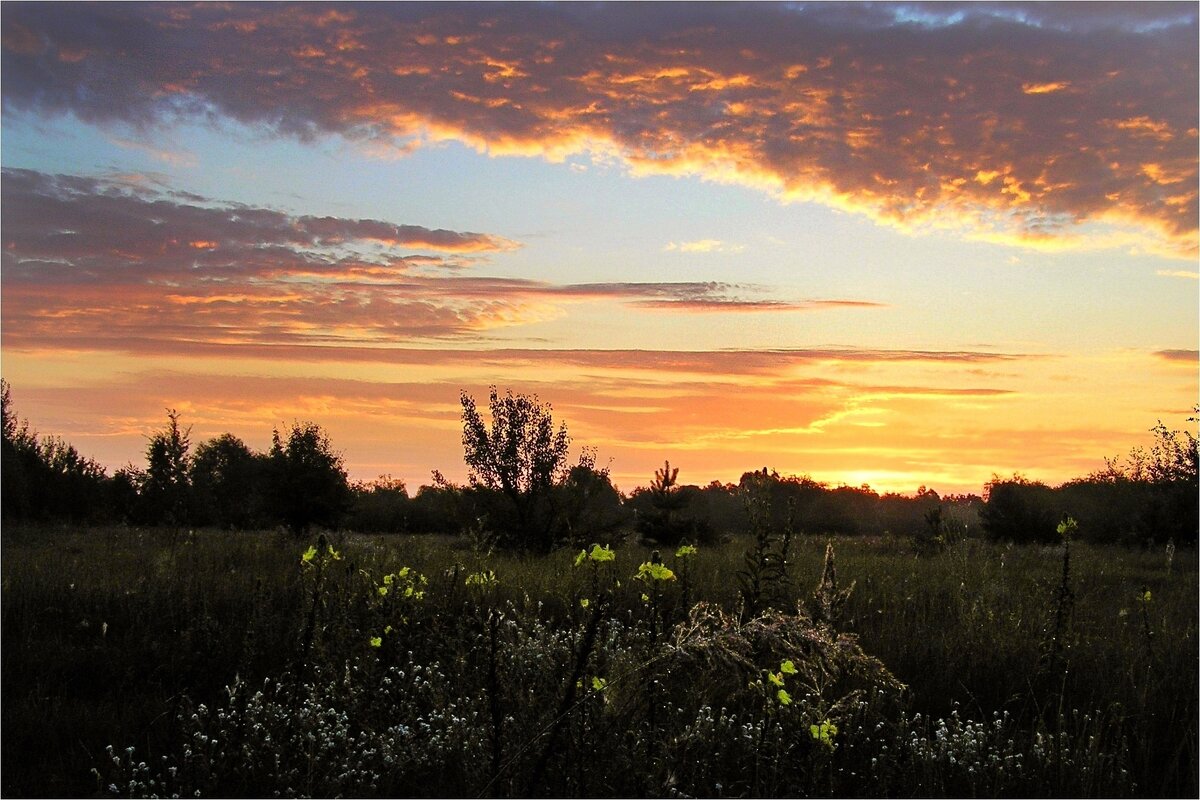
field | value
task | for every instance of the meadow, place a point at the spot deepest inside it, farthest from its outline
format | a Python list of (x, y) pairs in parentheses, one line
[(173, 662)]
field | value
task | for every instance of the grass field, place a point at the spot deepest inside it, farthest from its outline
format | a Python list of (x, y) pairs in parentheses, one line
[(233, 666)]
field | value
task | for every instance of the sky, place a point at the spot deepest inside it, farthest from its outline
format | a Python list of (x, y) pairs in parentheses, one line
[(890, 244)]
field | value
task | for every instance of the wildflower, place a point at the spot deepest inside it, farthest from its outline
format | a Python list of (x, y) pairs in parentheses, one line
[(685, 551), (824, 732), (482, 579), (783, 697), (650, 571), (1067, 528), (599, 554)]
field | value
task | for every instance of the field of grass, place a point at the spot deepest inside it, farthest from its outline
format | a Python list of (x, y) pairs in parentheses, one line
[(231, 665)]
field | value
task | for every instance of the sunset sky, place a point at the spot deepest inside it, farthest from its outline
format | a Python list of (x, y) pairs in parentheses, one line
[(895, 244)]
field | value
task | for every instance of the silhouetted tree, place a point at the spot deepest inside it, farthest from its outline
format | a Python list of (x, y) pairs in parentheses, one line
[(1020, 510), (438, 508), (18, 461), (588, 505), (47, 478), (70, 486), (664, 518), (516, 462), (1148, 497), (123, 499), (166, 490), (380, 506), (227, 483), (306, 483)]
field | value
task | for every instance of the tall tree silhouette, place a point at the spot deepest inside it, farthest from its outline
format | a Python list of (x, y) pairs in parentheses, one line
[(663, 521), (307, 483), (166, 493), (519, 459)]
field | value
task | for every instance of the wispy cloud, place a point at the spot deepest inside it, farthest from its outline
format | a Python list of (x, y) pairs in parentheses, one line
[(703, 246), (164, 154), (1178, 273), (1082, 118), (128, 265), (1181, 356)]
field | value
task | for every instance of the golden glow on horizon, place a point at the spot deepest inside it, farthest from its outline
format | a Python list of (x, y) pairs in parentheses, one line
[(889, 424), (972, 343)]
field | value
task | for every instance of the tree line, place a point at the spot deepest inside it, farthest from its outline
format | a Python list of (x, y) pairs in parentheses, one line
[(522, 492)]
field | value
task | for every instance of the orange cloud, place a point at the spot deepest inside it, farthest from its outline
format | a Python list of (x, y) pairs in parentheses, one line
[(1187, 357), (1044, 88), (856, 106)]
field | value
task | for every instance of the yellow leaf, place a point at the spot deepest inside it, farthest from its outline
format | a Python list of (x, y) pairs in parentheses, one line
[(601, 553), (649, 571)]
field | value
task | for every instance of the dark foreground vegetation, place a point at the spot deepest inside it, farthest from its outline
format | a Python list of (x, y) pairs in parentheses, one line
[(771, 638), (243, 664)]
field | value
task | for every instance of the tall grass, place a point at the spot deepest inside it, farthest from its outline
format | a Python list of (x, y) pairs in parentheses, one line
[(130, 638)]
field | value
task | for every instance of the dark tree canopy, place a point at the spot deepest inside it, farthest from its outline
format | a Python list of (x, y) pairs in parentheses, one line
[(588, 503), (45, 478), (664, 519), (519, 458), (167, 488), (226, 480), (307, 482)]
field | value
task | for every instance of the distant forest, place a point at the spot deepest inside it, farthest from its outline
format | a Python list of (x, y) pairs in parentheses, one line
[(523, 494)]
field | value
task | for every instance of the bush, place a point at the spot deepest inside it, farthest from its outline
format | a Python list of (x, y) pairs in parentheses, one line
[(1019, 510)]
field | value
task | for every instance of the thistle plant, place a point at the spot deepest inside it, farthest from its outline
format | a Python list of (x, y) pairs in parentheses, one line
[(828, 599)]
